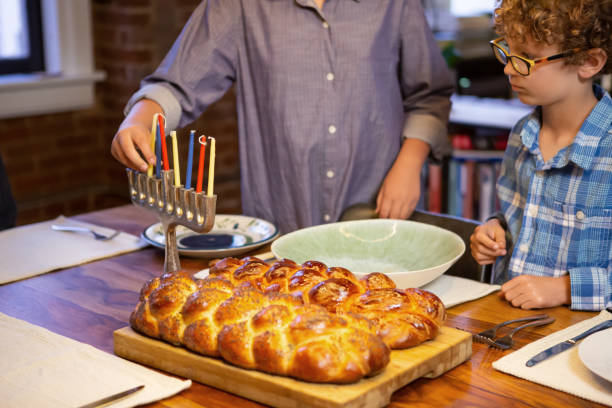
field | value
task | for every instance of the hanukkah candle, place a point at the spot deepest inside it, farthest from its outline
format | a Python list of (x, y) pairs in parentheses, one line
[(173, 204)]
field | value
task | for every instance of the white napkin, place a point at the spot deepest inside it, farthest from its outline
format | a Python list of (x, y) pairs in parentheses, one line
[(564, 371), (453, 290), (39, 368), (35, 249), (450, 289)]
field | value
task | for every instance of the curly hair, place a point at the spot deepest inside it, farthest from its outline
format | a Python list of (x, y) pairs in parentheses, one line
[(582, 24)]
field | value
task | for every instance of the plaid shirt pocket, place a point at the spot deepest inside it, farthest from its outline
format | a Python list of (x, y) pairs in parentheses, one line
[(590, 232)]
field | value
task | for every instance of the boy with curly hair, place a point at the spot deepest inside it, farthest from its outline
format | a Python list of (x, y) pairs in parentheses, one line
[(552, 242)]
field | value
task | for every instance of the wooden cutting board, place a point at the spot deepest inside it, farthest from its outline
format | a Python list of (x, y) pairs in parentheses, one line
[(449, 349)]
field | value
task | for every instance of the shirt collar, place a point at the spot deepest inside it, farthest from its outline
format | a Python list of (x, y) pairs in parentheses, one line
[(584, 147), (593, 130)]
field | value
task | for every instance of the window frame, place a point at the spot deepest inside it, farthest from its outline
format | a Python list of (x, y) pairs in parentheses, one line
[(35, 61), (68, 81)]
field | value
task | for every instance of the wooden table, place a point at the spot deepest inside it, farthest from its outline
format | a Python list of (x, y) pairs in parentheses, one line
[(87, 303)]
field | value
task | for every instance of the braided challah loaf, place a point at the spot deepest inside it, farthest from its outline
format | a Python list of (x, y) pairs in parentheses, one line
[(306, 321), (402, 318)]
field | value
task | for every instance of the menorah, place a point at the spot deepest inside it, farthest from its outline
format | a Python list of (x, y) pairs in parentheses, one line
[(174, 205)]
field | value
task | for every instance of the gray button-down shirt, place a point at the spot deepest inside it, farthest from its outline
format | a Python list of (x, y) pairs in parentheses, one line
[(324, 96)]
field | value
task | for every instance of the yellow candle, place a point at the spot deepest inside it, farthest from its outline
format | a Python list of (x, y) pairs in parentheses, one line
[(211, 167), (153, 133), (175, 158)]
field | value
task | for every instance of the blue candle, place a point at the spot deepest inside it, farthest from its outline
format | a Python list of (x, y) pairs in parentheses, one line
[(158, 153), (189, 161)]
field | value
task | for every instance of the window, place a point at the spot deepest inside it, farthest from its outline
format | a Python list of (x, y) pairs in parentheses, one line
[(67, 81), (21, 48), (462, 8)]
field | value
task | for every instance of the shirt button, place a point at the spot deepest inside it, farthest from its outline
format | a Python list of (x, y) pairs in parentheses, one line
[(330, 77), (326, 217), (325, 25), (524, 248), (332, 129), (580, 215), (330, 174), (533, 211)]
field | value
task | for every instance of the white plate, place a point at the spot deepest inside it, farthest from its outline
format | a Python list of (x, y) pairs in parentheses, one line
[(230, 236), (596, 353)]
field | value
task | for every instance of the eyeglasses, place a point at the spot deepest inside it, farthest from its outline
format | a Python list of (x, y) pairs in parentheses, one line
[(520, 64)]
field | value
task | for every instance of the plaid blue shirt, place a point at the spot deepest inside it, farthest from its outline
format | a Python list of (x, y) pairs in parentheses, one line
[(559, 212)]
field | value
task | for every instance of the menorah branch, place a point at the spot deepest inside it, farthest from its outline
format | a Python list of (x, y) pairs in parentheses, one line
[(174, 205)]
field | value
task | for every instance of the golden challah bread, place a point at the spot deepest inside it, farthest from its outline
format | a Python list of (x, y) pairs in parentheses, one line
[(306, 321), (272, 332), (402, 318)]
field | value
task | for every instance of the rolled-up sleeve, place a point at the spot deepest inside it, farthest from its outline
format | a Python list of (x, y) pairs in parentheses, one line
[(201, 65), (426, 83)]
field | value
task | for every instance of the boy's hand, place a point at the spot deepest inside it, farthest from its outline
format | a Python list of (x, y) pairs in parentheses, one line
[(488, 242), (534, 292)]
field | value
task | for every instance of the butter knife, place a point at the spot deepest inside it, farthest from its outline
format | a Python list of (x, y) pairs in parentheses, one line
[(564, 345), (113, 397)]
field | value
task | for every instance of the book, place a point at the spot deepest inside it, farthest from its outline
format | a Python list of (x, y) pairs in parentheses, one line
[(467, 185), (434, 187), (486, 193), (453, 187)]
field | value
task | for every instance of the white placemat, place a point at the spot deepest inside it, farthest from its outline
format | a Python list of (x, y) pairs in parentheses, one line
[(451, 290), (35, 249), (39, 368), (564, 371)]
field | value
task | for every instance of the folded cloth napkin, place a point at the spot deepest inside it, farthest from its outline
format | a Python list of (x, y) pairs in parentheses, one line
[(39, 368), (35, 249), (451, 290), (564, 371)]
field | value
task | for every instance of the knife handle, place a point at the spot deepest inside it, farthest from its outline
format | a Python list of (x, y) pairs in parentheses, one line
[(600, 326)]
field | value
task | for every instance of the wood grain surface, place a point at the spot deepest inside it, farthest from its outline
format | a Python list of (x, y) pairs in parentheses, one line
[(450, 348), (90, 302)]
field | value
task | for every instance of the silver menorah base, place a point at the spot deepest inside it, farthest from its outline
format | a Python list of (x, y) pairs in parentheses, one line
[(174, 206)]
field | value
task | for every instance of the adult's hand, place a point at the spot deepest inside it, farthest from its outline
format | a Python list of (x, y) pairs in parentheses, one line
[(401, 189), (399, 193), (132, 143)]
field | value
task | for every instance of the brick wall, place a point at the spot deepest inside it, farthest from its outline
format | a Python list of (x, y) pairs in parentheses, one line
[(61, 163)]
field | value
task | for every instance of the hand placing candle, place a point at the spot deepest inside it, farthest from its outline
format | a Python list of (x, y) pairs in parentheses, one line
[(211, 167), (153, 138), (175, 159), (189, 161), (201, 164)]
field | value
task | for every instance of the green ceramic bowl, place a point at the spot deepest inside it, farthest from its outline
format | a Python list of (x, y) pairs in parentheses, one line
[(411, 253)]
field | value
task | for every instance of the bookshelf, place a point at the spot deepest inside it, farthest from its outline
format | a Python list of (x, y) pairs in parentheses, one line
[(464, 185)]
